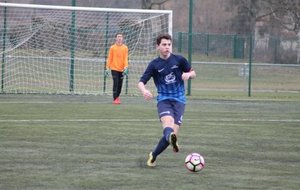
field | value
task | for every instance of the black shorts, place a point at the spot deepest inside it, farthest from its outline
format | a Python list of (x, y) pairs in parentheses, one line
[(172, 108)]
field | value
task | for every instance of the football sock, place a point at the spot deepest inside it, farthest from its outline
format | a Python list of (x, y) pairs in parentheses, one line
[(163, 142), (167, 132), (161, 146)]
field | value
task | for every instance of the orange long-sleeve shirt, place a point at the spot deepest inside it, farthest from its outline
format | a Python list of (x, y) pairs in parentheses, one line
[(117, 57)]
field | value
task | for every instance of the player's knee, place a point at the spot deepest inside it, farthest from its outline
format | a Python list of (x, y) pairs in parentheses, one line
[(167, 120)]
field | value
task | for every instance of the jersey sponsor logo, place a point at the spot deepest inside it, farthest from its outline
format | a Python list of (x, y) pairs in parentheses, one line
[(170, 78), (164, 112), (174, 67)]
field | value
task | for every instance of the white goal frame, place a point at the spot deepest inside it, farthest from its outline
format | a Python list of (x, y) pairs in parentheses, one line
[(170, 12), (130, 89)]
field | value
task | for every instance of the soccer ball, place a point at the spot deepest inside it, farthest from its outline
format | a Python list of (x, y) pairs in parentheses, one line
[(194, 162)]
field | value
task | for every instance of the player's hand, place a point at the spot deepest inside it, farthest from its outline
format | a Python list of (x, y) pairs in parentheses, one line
[(106, 72), (125, 72), (147, 95), (186, 76)]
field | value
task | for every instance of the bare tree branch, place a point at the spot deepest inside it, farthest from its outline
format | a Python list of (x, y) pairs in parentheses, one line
[(287, 14), (149, 4)]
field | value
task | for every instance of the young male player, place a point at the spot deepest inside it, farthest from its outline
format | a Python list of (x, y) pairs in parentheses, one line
[(117, 62), (169, 71)]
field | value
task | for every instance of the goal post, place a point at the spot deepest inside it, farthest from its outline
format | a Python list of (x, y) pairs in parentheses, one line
[(63, 49)]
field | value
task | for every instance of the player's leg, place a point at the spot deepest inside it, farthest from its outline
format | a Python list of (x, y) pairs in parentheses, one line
[(171, 121), (115, 77), (164, 140), (166, 117), (170, 131), (120, 84), (173, 139), (167, 122), (178, 110), (162, 144), (169, 137)]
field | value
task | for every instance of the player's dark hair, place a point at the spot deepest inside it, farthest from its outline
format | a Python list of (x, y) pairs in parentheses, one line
[(119, 33), (163, 36)]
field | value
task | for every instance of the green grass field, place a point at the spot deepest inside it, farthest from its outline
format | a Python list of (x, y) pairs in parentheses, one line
[(86, 143)]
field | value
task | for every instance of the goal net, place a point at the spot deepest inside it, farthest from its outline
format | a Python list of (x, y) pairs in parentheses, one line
[(63, 50)]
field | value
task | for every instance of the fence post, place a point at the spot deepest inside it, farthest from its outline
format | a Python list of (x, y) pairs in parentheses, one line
[(276, 44), (190, 42), (106, 52), (234, 46), (72, 49), (250, 63), (207, 44), (179, 42), (3, 49)]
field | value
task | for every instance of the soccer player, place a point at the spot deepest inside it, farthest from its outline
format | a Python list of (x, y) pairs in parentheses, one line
[(169, 71), (117, 62)]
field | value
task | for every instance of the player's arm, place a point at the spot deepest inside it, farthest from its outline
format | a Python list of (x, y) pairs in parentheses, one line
[(143, 81), (188, 75), (188, 71), (146, 93), (125, 69), (109, 58), (126, 57), (108, 63)]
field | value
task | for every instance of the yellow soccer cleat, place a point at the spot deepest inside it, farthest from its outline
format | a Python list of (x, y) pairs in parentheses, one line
[(151, 160)]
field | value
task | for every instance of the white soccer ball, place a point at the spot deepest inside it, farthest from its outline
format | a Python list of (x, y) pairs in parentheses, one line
[(194, 162)]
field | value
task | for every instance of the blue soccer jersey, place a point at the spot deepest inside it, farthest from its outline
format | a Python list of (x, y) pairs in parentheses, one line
[(167, 77)]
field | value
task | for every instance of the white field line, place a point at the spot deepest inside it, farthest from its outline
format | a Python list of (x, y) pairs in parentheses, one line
[(147, 120)]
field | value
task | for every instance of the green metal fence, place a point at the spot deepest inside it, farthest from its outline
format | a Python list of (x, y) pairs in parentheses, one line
[(239, 65), (213, 46), (271, 49)]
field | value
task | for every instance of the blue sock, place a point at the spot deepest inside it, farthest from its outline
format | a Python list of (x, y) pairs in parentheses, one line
[(167, 132), (163, 142), (161, 146)]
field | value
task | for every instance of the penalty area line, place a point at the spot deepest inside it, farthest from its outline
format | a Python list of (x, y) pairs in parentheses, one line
[(149, 120)]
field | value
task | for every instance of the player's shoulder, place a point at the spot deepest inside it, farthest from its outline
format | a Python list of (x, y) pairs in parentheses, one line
[(178, 57), (155, 60), (125, 46), (154, 63), (113, 46)]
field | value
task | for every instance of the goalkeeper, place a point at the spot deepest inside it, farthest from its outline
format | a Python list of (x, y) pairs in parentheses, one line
[(169, 71), (117, 63)]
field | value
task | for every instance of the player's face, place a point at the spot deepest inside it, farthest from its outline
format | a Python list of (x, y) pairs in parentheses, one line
[(119, 39), (164, 48)]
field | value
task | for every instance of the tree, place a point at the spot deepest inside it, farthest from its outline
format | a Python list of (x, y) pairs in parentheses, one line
[(284, 13), (287, 14), (150, 4), (247, 15)]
